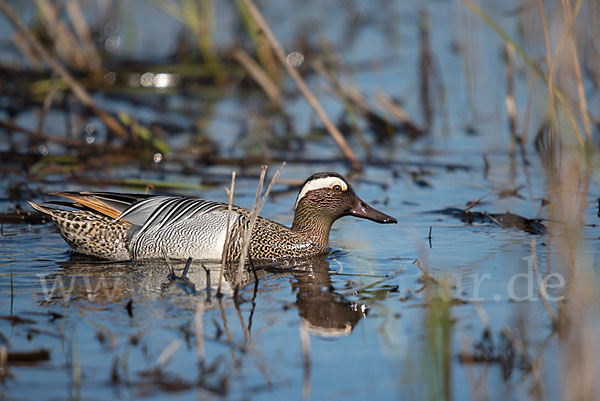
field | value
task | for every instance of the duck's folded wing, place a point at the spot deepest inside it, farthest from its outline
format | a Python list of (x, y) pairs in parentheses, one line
[(144, 211), (162, 211)]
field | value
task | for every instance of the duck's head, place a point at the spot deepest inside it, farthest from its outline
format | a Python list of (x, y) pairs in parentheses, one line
[(324, 198)]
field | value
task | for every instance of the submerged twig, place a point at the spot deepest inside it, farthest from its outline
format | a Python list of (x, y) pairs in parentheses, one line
[(199, 331), (186, 268), (208, 284), (429, 235), (425, 68)]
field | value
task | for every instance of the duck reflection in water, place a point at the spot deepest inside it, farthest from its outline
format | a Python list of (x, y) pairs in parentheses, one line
[(323, 310)]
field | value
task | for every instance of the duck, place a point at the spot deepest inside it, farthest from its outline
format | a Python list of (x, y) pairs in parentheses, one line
[(122, 226)]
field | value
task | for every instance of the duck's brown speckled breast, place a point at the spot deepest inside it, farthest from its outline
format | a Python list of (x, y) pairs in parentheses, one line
[(273, 241)]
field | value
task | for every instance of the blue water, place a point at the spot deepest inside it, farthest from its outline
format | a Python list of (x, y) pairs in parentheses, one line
[(364, 307)]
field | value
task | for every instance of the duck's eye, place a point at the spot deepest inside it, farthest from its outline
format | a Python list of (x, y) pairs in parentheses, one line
[(337, 188)]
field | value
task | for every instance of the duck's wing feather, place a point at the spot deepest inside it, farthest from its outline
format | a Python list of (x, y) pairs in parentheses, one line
[(145, 211), (106, 203), (162, 211)]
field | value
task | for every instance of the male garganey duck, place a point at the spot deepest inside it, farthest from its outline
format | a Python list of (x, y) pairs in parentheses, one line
[(136, 226)]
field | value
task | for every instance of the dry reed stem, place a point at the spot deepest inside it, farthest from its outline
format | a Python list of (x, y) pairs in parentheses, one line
[(227, 235), (525, 124), (259, 75), (570, 20), (306, 92), (253, 215), (83, 34), (552, 90), (549, 65), (27, 52), (63, 40), (548, 56), (167, 354), (47, 103), (476, 201), (264, 53), (551, 61), (354, 101), (428, 277), (392, 107), (78, 90), (248, 233), (335, 63), (270, 186), (511, 104), (346, 92), (3, 362)]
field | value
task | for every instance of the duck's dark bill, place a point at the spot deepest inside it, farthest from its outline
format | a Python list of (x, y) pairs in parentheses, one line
[(365, 211)]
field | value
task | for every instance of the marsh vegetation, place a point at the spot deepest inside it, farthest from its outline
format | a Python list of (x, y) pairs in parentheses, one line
[(475, 124)]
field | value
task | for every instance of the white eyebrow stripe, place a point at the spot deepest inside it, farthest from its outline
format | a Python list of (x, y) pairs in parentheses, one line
[(325, 182)]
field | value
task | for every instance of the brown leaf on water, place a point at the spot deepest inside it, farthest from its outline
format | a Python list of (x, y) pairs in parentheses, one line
[(504, 220), (29, 357)]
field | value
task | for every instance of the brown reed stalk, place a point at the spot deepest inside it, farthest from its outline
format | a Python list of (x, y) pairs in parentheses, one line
[(570, 19), (253, 215), (306, 92), (259, 75), (525, 125), (425, 69), (248, 232), (83, 34), (335, 67), (264, 53), (553, 91), (47, 104), (511, 104), (549, 64), (27, 52), (227, 235), (64, 42), (393, 108), (79, 91)]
